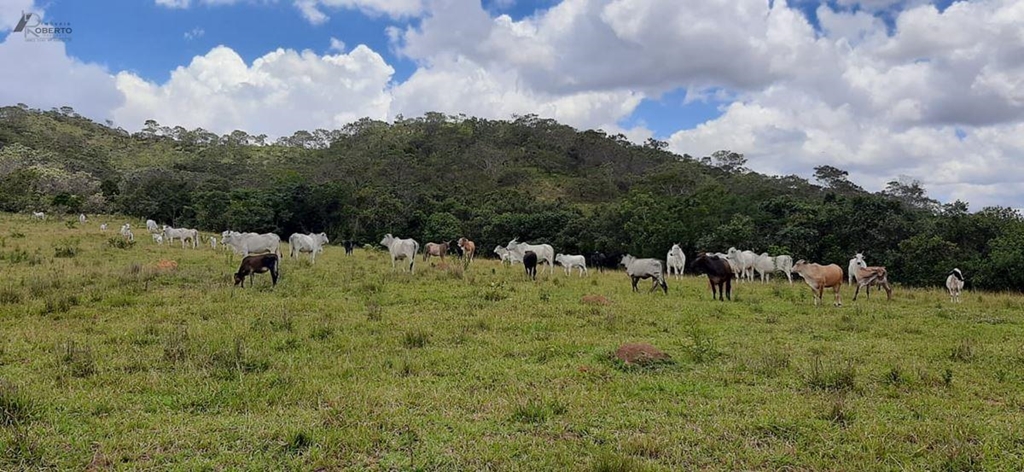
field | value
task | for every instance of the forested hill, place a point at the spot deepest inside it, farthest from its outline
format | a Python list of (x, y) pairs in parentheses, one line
[(439, 177)]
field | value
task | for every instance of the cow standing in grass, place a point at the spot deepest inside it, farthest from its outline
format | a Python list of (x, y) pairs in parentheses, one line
[(436, 250), (311, 243), (638, 269), (675, 261), (868, 276), (401, 249), (955, 285), (468, 248), (257, 264), (820, 277), (720, 274), (530, 263)]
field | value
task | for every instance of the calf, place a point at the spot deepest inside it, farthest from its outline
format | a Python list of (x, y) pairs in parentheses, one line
[(868, 276), (468, 248), (719, 272), (349, 246), (820, 277), (435, 249), (955, 285), (530, 262), (257, 264)]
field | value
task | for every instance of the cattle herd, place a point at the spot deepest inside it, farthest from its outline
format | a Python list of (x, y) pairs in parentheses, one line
[(261, 253)]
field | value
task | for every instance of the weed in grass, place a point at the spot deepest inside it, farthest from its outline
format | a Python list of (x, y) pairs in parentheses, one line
[(373, 311), (16, 234), (9, 296), (702, 347), (609, 462), (771, 362), (646, 446), (283, 322), (545, 295), (838, 412), (16, 408), (70, 224), (494, 296), (409, 367), (66, 248), (536, 411), (894, 376), (947, 377), (298, 442), (415, 339), (21, 451), (831, 377), (229, 364), (321, 332), (964, 351), (76, 361), (772, 318), (59, 304)]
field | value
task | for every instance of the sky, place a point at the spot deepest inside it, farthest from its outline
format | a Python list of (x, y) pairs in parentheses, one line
[(885, 89)]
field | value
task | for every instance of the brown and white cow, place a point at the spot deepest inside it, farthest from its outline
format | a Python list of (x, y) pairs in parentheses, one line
[(874, 275), (820, 277), (468, 248)]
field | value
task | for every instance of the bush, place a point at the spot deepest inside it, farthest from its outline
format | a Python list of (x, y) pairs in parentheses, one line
[(66, 248), (118, 242)]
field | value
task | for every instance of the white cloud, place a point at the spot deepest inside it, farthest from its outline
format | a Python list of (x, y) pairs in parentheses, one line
[(337, 45), (281, 92), (11, 10), (174, 3), (195, 33), (312, 10)]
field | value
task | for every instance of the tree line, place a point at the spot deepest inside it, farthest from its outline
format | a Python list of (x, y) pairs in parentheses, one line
[(438, 177)]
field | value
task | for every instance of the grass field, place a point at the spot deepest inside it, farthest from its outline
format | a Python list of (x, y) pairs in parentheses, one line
[(107, 362)]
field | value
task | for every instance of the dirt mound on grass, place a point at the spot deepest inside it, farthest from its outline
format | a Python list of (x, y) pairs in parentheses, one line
[(640, 354), (166, 265), (595, 300)]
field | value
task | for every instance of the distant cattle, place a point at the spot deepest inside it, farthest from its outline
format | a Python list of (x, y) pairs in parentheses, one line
[(125, 228), (184, 234), (719, 272), (820, 277), (401, 249), (81, 218), (38, 215), (569, 262), (151, 226), (103, 227), (784, 264), (545, 253), (213, 242), (158, 238), (468, 248), (507, 256), (128, 235), (743, 261), (311, 243), (871, 276), (530, 263), (675, 261), (350, 245), (765, 266), (955, 285), (257, 264), (638, 269), (851, 268), (252, 243), (435, 249)]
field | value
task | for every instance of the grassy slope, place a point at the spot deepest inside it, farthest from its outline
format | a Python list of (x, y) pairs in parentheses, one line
[(348, 365)]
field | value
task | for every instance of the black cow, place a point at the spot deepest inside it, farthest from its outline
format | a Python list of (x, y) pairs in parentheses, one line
[(719, 273), (257, 264), (530, 262)]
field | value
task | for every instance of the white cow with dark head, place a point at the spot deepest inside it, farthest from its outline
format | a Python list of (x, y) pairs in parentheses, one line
[(401, 249)]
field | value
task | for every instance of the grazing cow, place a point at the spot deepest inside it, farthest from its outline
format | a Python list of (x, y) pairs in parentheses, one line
[(184, 234), (764, 265), (855, 263), (213, 242), (158, 238), (435, 249), (530, 263), (350, 245), (129, 235), (401, 249), (675, 261), (644, 269), (597, 259), (125, 228), (311, 243), (257, 264), (784, 264), (719, 272), (152, 227), (868, 276), (569, 262), (545, 253), (81, 218), (103, 227), (507, 256), (955, 285), (820, 277), (38, 215), (252, 243), (468, 248)]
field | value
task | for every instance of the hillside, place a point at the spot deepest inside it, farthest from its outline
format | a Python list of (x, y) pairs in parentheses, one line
[(438, 177)]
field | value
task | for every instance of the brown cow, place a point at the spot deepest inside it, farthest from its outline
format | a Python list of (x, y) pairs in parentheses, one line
[(435, 249), (257, 264), (874, 275), (820, 277), (468, 248)]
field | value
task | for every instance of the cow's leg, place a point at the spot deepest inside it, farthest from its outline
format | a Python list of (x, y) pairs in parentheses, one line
[(634, 280), (856, 292), (888, 290), (728, 289), (713, 292), (839, 298)]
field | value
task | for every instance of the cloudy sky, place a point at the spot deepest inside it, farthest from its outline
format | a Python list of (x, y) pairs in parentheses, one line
[(882, 88)]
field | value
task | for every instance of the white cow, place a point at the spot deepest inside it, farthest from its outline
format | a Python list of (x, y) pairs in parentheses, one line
[(401, 249), (507, 256), (213, 242), (675, 261), (252, 243), (744, 260), (125, 229), (544, 252), (311, 243), (569, 262), (855, 263), (81, 218), (955, 285), (129, 235), (764, 265), (38, 215), (152, 227), (158, 238), (184, 234), (103, 227), (784, 263)]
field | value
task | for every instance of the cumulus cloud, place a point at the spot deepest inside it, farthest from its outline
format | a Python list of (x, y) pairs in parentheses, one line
[(281, 92), (11, 11)]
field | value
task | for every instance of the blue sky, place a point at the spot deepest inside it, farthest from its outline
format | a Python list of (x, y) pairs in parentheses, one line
[(930, 90)]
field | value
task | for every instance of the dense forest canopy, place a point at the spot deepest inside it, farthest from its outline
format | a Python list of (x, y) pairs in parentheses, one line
[(438, 177)]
